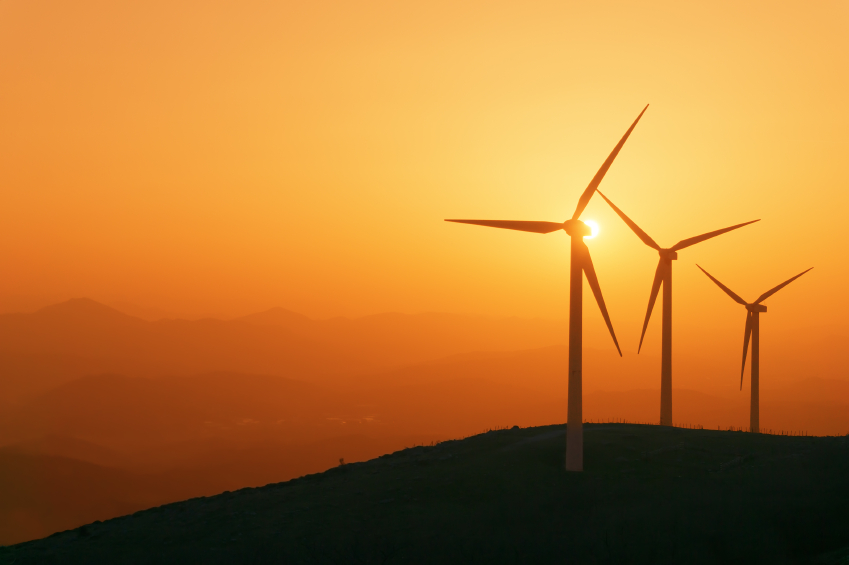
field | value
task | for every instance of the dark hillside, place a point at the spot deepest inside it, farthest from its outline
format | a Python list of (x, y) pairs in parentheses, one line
[(649, 495), (42, 493)]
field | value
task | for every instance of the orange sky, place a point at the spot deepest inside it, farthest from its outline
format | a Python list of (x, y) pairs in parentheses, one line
[(227, 157)]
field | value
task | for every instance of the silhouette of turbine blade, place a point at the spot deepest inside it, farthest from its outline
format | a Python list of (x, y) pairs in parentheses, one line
[(769, 293), (749, 316), (727, 290), (700, 238), (655, 288), (592, 279), (634, 227), (588, 192), (535, 227)]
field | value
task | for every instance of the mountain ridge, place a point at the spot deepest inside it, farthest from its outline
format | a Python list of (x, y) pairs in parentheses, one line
[(93, 337)]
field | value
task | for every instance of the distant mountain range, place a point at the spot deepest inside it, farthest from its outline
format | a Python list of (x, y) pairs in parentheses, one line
[(81, 337), (134, 413)]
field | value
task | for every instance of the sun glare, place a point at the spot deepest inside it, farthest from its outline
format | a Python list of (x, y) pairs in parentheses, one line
[(593, 226)]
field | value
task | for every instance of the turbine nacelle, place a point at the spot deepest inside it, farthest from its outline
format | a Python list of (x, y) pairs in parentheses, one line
[(753, 308), (577, 227), (668, 254)]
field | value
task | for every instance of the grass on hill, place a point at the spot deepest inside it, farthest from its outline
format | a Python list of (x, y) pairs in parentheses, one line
[(649, 494)]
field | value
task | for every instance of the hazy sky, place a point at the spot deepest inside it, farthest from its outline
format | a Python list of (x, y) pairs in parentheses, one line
[(227, 157)]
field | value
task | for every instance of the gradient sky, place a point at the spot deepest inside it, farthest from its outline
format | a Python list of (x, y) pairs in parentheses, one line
[(227, 157)]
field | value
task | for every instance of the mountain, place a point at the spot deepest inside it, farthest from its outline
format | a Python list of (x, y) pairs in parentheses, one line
[(130, 413), (79, 337), (649, 495), (23, 375), (452, 397)]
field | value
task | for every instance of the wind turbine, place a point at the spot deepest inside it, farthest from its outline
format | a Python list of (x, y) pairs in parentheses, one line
[(663, 275), (753, 330), (581, 264)]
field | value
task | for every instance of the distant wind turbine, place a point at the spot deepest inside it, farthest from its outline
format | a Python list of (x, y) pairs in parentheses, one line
[(581, 264), (663, 274), (753, 330)]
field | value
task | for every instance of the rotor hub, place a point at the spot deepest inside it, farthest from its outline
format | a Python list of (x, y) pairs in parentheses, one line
[(577, 227), (755, 308), (668, 254)]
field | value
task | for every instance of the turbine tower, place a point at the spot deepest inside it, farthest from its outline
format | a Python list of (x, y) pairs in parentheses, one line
[(753, 331), (663, 275), (581, 264)]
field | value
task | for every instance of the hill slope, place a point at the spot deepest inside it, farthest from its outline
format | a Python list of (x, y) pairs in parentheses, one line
[(42, 492), (649, 495)]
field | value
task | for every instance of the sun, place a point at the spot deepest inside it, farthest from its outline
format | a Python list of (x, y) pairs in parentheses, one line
[(593, 226)]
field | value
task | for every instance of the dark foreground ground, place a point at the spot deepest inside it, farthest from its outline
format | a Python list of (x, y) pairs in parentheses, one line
[(649, 495)]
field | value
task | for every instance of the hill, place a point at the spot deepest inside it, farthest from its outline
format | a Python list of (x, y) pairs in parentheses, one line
[(59, 483), (648, 495)]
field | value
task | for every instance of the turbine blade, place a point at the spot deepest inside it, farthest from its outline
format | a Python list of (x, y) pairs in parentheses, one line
[(727, 290), (769, 293), (700, 238), (746, 345), (634, 227), (535, 227), (588, 192), (655, 288), (589, 270)]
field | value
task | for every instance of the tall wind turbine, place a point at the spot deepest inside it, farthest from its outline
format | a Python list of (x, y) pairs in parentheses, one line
[(753, 331), (663, 275), (581, 264)]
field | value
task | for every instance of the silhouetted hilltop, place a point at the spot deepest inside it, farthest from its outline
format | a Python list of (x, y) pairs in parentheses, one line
[(649, 495)]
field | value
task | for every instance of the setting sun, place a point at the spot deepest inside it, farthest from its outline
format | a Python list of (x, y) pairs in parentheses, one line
[(593, 226)]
